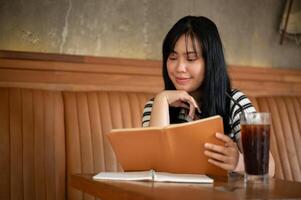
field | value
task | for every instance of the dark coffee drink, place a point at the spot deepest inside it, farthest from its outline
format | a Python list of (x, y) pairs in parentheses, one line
[(256, 145)]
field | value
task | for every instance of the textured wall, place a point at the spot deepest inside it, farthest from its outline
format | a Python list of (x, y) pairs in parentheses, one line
[(135, 28)]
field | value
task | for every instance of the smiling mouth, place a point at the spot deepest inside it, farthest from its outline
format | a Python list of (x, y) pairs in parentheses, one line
[(182, 80)]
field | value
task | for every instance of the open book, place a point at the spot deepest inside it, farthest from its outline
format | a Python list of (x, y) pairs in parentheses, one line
[(175, 148), (153, 176)]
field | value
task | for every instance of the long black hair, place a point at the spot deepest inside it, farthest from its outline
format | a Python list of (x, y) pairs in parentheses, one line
[(216, 81)]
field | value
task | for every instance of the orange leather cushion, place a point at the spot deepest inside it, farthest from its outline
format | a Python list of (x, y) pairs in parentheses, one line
[(32, 144), (88, 117)]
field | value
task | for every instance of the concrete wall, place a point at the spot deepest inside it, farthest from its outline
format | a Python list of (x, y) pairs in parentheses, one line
[(136, 28)]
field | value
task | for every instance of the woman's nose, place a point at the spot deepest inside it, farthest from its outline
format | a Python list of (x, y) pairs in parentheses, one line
[(181, 66)]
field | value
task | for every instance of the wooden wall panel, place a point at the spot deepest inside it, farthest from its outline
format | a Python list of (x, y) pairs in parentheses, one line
[(84, 73)]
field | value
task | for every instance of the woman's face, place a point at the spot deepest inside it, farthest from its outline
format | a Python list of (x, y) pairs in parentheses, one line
[(185, 65)]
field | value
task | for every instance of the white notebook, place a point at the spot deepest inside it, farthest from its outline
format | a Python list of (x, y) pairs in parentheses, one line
[(153, 176)]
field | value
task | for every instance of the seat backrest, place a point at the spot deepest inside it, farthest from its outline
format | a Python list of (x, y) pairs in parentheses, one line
[(88, 117), (32, 144)]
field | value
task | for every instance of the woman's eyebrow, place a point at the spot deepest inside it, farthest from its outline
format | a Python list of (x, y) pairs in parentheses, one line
[(191, 52), (186, 53)]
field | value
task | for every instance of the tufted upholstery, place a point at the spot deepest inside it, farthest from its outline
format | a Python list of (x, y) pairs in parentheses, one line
[(46, 136), (32, 144), (91, 114), (88, 116)]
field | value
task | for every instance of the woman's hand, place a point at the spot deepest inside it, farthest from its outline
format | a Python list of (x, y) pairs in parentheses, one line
[(180, 98), (176, 98), (226, 156)]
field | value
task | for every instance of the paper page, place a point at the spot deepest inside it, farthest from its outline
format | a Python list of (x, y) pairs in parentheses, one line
[(182, 178), (125, 176)]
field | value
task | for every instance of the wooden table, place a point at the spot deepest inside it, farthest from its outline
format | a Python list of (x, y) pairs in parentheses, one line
[(223, 188)]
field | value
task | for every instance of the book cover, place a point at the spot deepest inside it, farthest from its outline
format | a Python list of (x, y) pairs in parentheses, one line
[(175, 148)]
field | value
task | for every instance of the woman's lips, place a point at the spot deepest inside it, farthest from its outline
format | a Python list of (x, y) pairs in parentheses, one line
[(182, 80)]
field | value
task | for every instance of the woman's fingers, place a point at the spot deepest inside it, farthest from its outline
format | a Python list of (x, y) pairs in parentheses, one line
[(223, 137), (182, 99), (228, 149), (189, 99), (228, 141), (225, 166), (191, 111), (225, 156), (215, 148), (183, 105), (192, 104), (216, 156), (226, 159), (196, 104)]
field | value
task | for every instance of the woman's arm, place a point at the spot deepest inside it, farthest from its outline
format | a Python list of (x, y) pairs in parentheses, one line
[(175, 98), (160, 111)]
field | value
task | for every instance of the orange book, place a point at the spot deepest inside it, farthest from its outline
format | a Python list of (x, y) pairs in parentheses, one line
[(177, 148)]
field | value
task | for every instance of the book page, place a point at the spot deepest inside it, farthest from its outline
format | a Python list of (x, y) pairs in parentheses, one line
[(153, 176), (182, 178), (125, 176)]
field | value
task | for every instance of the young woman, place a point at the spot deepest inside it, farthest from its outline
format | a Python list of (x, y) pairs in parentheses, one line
[(197, 86)]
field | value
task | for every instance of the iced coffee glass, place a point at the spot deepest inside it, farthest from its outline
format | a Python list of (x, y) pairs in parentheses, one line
[(255, 136)]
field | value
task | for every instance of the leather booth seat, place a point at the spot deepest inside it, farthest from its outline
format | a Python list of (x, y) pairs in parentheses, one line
[(48, 135)]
